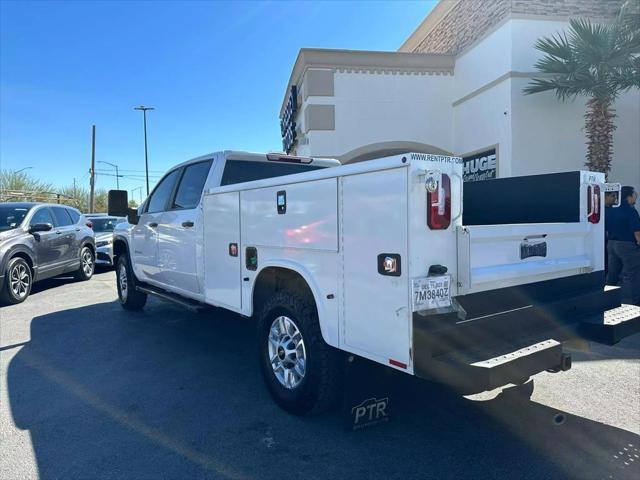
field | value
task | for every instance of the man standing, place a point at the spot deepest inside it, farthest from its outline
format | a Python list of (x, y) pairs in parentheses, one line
[(610, 199), (623, 233)]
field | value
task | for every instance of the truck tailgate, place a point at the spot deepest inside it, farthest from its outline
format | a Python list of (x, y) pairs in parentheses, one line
[(498, 256)]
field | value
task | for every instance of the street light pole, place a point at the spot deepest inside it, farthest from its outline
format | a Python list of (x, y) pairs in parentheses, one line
[(116, 167), (22, 169), (137, 188), (146, 158)]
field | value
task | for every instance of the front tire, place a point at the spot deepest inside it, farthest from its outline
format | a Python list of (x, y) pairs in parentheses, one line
[(301, 371), (87, 264), (130, 298), (17, 282)]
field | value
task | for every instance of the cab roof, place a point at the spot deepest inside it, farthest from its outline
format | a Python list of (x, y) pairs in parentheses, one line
[(278, 157)]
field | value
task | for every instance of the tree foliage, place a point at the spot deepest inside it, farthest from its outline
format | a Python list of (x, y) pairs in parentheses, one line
[(20, 186)]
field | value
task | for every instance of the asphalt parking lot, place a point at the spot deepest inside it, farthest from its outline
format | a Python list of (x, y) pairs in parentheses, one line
[(88, 390)]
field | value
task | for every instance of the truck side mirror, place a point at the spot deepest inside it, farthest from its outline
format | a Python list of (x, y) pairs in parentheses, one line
[(118, 203), (132, 216), (118, 206)]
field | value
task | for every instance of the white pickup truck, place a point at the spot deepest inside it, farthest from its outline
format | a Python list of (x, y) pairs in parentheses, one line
[(377, 259)]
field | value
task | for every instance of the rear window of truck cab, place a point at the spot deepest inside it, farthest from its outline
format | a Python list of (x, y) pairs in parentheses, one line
[(239, 171)]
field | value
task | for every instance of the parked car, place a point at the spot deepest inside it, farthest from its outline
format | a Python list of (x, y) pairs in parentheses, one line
[(39, 241), (103, 227)]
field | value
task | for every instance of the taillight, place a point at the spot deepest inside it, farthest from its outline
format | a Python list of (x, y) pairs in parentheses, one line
[(593, 203), (90, 225), (439, 205)]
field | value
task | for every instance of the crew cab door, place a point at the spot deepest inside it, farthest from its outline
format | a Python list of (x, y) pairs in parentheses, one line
[(144, 238), (178, 231)]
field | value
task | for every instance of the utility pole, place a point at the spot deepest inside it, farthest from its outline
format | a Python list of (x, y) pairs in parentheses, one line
[(146, 159), (92, 178)]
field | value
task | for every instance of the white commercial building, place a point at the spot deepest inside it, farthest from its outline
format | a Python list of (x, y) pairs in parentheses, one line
[(455, 87)]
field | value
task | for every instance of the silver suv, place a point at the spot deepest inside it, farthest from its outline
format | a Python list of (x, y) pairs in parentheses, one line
[(39, 241)]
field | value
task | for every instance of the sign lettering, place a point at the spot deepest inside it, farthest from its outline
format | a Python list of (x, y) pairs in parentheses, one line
[(287, 121), (480, 166)]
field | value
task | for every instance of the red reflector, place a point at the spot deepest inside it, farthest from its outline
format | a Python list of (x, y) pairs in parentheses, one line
[(396, 363), (593, 203), (439, 205), (89, 224)]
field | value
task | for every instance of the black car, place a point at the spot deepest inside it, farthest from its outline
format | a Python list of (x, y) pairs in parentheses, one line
[(39, 241)]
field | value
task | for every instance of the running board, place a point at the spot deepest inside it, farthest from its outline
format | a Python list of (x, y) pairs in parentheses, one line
[(185, 302), (613, 325)]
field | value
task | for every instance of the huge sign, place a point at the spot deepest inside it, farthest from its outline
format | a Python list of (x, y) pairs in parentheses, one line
[(480, 166), (288, 121)]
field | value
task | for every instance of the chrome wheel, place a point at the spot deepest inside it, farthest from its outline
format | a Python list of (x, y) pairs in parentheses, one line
[(20, 280), (122, 281), (87, 262), (287, 353)]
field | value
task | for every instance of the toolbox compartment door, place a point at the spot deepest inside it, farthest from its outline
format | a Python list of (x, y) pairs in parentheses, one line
[(376, 314), (222, 275)]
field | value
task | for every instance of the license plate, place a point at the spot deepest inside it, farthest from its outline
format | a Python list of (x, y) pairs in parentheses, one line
[(431, 292)]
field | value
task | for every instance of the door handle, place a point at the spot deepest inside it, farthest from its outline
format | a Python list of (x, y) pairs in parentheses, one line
[(187, 224), (153, 224), (58, 232), (77, 229)]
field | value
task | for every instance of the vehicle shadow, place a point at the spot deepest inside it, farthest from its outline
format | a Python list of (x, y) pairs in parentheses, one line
[(50, 283), (165, 393), (55, 282)]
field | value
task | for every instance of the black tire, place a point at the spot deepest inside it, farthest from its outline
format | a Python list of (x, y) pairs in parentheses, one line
[(87, 264), (17, 269), (318, 390), (130, 298)]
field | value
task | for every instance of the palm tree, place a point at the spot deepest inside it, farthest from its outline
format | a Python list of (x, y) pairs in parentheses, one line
[(598, 61)]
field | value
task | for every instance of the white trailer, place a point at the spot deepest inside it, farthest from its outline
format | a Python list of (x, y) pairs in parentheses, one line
[(374, 259)]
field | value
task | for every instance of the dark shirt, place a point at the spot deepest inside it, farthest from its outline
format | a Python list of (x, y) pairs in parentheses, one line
[(622, 222)]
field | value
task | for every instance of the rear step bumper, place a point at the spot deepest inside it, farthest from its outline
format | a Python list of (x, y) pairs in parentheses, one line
[(519, 331), (471, 373), (611, 326)]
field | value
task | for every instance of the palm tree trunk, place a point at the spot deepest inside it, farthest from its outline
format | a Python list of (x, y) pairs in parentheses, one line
[(599, 129)]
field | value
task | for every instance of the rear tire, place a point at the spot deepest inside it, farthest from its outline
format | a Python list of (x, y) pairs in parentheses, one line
[(301, 371), (87, 264), (130, 298), (18, 279)]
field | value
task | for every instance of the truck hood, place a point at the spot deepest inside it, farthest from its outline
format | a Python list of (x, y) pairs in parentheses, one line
[(123, 228), (101, 237)]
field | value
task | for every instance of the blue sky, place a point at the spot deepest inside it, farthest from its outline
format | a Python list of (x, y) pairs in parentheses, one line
[(214, 71)]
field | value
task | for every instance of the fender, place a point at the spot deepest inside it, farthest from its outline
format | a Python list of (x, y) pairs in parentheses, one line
[(87, 241), (19, 248), (328, 326), (124, 239)]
